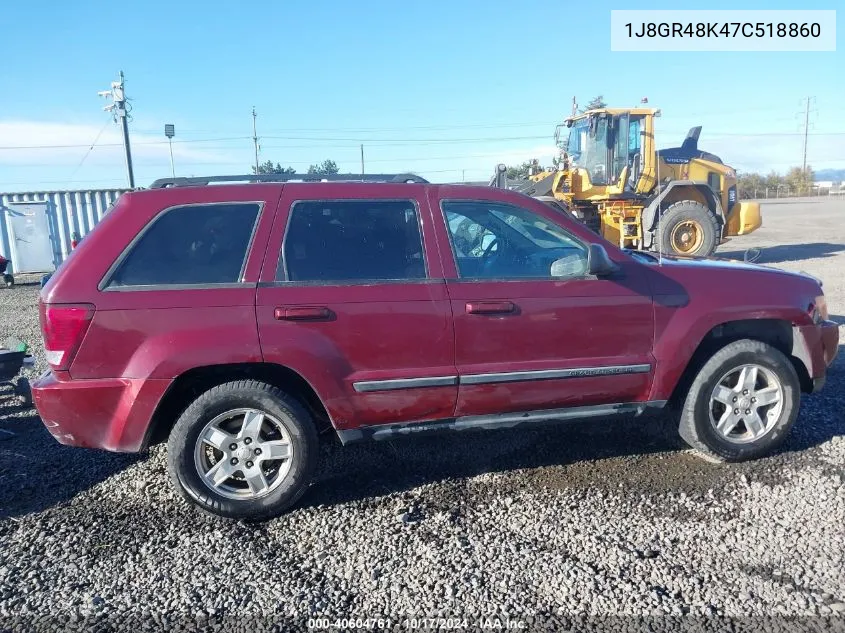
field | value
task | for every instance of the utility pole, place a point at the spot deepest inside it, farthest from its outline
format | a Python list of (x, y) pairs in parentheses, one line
[(574, 106), (806, 134), (362, 160), (255, 138), (119, 111)]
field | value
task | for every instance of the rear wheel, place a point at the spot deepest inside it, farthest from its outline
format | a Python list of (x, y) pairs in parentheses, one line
[(243, 450), (742, 403), (688, 228)]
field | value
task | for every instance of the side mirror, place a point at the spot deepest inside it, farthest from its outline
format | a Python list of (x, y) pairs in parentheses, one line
[(599, 262)]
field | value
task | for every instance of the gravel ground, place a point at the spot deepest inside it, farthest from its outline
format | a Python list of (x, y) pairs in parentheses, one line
[(613, 521)]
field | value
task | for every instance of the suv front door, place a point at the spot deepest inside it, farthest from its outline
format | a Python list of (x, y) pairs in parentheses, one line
[(526, 340), (349, 300)]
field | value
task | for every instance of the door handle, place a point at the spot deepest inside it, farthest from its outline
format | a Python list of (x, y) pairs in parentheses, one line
[(303, 313), (490, 307)]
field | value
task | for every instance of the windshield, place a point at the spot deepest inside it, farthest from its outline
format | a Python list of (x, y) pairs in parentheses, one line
[(589, 151)]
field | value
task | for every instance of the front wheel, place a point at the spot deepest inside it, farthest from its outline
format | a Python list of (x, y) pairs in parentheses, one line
[(743, 402), (688, 228), (243, 450)]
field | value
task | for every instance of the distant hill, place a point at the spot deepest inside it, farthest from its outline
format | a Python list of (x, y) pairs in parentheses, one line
[(836, 175)]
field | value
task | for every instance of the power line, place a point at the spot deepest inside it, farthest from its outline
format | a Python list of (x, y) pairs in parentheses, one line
[(544, 124), (408, 140), (391, 142), (550, 123), (70, 146), (97, 138)]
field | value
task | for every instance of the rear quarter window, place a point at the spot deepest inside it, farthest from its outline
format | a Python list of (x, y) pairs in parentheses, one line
[(202, 244), (352, 241)]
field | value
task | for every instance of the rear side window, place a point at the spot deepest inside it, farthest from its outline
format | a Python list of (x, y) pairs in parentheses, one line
[(190, 245), (352, 240)]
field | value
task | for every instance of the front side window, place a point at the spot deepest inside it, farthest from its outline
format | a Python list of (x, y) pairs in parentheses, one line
[(492, 240), (634, 133), (349, 241), (191, 245)]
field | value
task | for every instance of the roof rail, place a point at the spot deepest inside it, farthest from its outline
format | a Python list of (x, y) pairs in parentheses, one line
[(162, 183)]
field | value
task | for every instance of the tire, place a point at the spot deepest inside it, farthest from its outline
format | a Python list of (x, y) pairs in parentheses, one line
[(282, 414), (688, 213), (700, 413)]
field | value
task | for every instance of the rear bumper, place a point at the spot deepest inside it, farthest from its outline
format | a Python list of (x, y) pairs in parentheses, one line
[(113, 413)]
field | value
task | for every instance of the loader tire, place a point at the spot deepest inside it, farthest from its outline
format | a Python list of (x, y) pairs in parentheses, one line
[(689, 229)]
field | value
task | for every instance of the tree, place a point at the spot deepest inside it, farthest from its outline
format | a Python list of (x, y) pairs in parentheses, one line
[(774, 180), (270, 168), (595, 103), (524, 170), (326, 168), (799, 180), (750, 185)]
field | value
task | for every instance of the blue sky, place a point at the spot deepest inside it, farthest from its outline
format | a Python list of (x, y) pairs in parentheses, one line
[(445, 89)]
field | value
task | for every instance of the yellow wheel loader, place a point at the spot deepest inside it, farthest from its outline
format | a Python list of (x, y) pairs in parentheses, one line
[(679, 201)]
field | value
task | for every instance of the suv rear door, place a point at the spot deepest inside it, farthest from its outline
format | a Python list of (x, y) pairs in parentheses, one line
[(351, 299), (526, 340)]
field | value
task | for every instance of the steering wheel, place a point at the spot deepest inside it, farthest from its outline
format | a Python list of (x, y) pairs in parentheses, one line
[(489, 250)]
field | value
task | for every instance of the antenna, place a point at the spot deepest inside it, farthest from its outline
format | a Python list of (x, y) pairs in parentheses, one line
[(255, 141), (659, 198)]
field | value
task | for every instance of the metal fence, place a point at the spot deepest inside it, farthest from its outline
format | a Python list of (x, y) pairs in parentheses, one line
[(68, 212), (783, 191)]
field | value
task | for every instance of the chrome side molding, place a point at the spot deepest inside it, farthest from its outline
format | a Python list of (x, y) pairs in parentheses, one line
[(511, 376), (404, 383)]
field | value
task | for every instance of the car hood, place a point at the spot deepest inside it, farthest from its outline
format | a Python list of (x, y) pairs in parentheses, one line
[(715, 263)]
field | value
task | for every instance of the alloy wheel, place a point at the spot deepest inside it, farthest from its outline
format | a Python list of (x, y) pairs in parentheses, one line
[(243, 454)]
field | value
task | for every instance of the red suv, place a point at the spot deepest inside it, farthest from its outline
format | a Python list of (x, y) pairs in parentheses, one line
[(236, 321)]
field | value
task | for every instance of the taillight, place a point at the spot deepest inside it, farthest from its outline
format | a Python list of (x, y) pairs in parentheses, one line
[(63, 327)]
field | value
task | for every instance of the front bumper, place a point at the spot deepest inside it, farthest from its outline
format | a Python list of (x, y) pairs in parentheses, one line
[(109, 413), (816, 346)]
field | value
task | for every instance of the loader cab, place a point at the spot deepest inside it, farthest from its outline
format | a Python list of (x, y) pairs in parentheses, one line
[(609, 147)]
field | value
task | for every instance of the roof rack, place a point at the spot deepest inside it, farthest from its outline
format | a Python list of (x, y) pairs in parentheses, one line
[(162, 183)]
